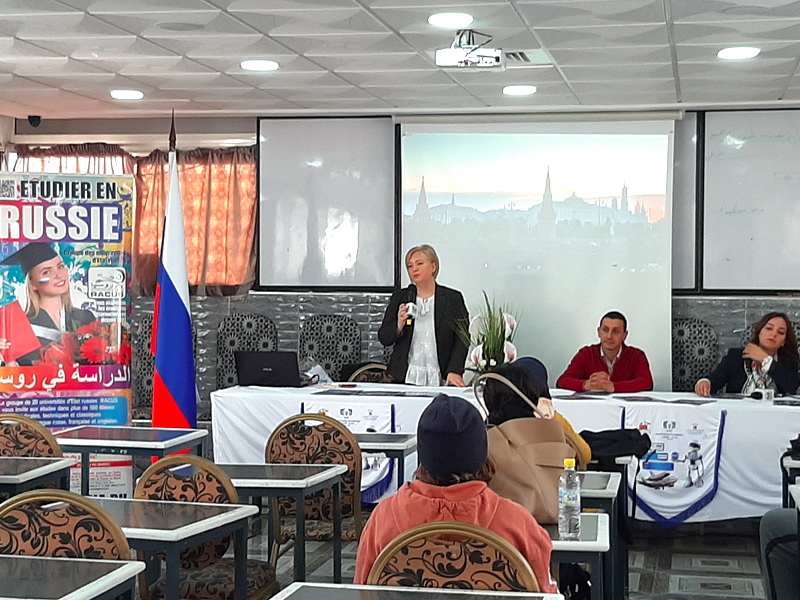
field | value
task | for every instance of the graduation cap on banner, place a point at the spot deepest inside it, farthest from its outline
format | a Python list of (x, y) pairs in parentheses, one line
[(29, 256)]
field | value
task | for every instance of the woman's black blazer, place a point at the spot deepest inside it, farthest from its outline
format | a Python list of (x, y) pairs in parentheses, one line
[(730, 372), (449, 308)]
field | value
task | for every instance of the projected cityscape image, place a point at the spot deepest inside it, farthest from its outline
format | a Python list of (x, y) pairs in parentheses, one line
[(564, 227)]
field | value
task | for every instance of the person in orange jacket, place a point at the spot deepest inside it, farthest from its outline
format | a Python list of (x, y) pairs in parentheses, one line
[(451, 485)]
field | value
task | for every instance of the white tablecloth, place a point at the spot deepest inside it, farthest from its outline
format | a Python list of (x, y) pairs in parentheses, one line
[(756, 434)]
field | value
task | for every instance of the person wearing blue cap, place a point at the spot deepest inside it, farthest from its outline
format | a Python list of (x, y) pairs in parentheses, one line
[(451, 485), (49, 304)]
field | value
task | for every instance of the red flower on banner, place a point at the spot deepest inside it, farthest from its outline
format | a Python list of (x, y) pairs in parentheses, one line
[(122, 354), (95, 350), (70, 343), (87, 329), (56, 354)]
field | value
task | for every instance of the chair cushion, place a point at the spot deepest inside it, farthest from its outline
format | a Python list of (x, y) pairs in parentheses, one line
[(216, 581)]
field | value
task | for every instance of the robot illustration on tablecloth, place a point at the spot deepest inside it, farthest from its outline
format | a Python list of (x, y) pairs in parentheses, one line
[(695, 469)]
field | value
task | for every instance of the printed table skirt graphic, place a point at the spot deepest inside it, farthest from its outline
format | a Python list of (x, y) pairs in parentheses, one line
[(679, 476), (376, 473), (110, 475)]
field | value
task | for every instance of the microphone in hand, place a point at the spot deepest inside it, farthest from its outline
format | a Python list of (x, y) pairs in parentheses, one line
[(411, 305)]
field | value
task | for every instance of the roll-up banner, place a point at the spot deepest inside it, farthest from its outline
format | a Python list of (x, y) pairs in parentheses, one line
[(65, 265)]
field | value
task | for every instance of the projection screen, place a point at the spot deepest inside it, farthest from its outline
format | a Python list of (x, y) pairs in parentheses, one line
[(326, 202), (562, 222)]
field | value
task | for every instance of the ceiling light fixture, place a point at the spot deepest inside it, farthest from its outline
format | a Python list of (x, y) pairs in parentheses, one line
[(259, 65), (178, 26), (519, 90), (450, 20), (126, 94), (738, 53)]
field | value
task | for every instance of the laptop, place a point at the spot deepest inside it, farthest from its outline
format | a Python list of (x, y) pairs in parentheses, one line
[(268, 369)]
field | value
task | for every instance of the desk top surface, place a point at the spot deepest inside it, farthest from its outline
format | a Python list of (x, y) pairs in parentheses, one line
[(43, 578), (594, 536), (282, 475), (597, 484), (386, 441), (325, 591), (170, 521), (16, 469), (139, 437)]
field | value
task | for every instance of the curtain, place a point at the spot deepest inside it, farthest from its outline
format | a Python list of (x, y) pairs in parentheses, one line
[(83, 159), (218, 191)]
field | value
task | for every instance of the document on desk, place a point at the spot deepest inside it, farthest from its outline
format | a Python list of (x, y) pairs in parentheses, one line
[(372, 393), (693, 401)]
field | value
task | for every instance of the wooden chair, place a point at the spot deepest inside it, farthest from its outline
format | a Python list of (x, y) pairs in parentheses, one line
[(22, 436), (318, 439), (371, 372), (204, 573), (57, 523), (451, 554)]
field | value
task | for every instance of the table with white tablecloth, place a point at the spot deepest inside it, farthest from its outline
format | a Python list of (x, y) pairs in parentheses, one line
[(749, 475)]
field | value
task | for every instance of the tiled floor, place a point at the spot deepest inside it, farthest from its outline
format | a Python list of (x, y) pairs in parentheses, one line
[(692, 562)]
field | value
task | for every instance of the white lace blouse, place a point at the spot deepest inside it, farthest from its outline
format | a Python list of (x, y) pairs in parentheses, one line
[(423, 360)]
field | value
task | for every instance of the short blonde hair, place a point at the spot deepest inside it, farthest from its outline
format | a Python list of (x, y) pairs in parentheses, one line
[(429, 253)]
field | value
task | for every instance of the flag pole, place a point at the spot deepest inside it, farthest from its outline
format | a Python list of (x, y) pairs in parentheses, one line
[(175, 394)]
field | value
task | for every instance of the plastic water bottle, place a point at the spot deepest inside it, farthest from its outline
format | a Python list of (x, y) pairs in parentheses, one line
[(569, 502)]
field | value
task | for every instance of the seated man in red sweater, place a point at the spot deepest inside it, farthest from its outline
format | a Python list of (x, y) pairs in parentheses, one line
[(609, 366), (451, 485)]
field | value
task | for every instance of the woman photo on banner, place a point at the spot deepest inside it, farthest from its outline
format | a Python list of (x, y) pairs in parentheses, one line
[(49, 309)]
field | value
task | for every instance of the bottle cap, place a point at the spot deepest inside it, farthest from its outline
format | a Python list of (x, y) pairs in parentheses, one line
[(569, 462)]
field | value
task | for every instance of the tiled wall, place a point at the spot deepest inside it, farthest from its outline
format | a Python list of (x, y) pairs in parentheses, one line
[(286, 310), (728, 315)]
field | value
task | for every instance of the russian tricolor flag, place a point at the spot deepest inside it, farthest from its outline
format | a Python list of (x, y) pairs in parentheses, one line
[(174, 383)]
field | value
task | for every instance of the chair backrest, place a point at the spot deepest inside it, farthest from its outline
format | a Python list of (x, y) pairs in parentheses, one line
[(320, 439), (694, 352), (372, 372), (190, 478), (451, 554), (22, 436), (58, 523), (242, 331), (331, 341)]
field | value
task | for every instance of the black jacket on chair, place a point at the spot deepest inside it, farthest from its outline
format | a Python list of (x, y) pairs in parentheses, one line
[(730, 372), (449, 308)]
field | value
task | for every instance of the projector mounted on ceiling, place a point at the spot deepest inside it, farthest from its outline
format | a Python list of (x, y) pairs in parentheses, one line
[(467, 54)]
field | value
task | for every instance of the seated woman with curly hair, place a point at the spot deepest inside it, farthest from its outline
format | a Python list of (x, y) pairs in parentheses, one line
[(451, 485), (769, 361)]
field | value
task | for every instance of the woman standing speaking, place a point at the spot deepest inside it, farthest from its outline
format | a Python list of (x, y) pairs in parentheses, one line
[(421, 322)]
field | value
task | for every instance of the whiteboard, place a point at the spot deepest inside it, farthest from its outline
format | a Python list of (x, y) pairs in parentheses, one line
[(751, 223), (684, 230)]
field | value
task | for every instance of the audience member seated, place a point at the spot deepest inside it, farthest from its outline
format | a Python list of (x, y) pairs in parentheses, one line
[(609, 366), (504, 404), (778, 532), (451, 485), (769, 361)]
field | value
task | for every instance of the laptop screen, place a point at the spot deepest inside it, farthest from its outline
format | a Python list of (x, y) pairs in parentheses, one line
[(269, 369)]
